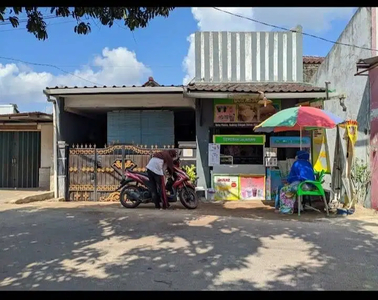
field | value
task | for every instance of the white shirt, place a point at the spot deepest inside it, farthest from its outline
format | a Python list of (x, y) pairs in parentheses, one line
[(156, 165)]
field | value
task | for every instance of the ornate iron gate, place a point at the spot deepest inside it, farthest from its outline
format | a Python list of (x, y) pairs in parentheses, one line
[(94, 173)]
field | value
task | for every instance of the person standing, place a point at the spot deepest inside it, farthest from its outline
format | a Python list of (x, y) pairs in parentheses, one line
[(155, 169)]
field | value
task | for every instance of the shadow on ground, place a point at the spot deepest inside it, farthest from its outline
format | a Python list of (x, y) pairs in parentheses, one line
[(109, 248)]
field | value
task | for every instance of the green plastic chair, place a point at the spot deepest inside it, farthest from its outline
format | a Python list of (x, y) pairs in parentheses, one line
[(318, 190)]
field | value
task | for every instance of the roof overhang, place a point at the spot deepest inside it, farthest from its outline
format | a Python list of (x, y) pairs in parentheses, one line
[(365, 65), (293, 95), (61, 92)]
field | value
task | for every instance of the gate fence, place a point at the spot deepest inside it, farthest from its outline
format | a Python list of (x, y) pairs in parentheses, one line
[(94, 173)]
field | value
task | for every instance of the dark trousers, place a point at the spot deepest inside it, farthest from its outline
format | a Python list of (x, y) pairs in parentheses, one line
[(155, 182)]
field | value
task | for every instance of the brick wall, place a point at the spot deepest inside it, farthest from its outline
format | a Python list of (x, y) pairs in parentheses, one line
[(309, 70)]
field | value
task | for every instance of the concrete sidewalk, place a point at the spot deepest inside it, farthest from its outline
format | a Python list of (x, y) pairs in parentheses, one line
[(21, 196)]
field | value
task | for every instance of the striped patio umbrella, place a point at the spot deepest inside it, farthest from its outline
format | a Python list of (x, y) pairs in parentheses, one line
[(298, 119)]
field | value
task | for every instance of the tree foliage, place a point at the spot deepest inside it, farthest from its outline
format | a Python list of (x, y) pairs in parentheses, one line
[(132, 17)]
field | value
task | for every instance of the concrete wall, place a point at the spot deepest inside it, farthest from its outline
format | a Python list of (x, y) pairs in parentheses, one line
[(249, 56), (6, 109), (46, 178), (339, 68), (309, 71)]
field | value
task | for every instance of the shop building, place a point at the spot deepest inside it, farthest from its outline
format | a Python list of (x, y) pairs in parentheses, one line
[(242, 78)]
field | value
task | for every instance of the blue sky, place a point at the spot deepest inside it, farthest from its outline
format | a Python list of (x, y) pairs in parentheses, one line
[(160, 49)]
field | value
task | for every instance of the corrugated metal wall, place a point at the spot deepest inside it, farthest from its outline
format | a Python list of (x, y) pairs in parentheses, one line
[(6, 149), (249, 56), (148, 127), (20, 156), (28, 153)]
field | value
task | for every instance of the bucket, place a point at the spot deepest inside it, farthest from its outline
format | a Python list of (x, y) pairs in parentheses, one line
[(210, 193)]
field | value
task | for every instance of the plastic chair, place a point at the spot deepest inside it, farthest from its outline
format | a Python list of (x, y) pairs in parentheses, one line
[(317, 191)]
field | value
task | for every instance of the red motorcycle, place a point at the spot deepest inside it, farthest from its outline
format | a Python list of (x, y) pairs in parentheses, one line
[(134, 188)]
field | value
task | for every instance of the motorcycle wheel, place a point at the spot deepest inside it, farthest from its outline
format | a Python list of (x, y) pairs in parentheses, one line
[(188, 198), (125, 201)]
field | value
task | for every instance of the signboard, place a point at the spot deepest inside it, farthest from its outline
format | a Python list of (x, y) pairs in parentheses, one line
[(290, 142), (320, 156), (271, 162), (242, 112), (214, 154), (235, 125), (271, 152), (226, 187), (252, 187), (239, 139)]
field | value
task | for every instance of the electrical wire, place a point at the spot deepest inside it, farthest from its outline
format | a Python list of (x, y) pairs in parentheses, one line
[(48, 65), (48, 25), (293, 30), (3, 23)]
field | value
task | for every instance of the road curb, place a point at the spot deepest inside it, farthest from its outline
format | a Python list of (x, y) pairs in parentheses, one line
[(33, 198)]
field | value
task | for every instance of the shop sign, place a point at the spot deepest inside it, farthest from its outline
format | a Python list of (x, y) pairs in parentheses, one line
[(289, 142), (239, 139), (236, 125), (243, 111)]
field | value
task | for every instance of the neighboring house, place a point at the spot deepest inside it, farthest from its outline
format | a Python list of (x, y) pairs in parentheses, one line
[(310, 65), (339, 68), (369, 67), (8, 109), (234, 73), (146, 116), (26, 150)]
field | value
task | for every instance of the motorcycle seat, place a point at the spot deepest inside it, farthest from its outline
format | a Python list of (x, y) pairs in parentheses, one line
[(142, 173)]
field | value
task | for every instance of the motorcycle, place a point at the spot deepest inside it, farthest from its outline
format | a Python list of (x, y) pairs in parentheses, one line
[(134, 188)]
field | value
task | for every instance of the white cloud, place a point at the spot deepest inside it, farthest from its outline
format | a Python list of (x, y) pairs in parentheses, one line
[(313, 19), (20, 84)]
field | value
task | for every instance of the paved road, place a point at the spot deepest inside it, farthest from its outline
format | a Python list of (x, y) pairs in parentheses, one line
[(49, 246)]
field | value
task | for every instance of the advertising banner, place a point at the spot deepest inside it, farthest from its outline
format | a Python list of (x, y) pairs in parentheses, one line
[(320, 157), (252, 187), (226, 187), (242, 112)]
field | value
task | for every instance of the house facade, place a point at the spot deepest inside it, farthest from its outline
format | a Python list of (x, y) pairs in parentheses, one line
[(26, 150), (98, 126)]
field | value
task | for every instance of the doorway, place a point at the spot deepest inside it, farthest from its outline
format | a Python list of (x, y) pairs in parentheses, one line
[(20, 156), (185, 126)]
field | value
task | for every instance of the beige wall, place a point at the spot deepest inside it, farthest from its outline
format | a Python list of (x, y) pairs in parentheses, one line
[(46, 145), (46, 180)]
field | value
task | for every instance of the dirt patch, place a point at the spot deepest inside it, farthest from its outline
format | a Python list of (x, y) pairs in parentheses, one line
[(266, 210)]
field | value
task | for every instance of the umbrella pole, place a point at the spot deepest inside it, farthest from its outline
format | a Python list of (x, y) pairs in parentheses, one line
[(300, 147)]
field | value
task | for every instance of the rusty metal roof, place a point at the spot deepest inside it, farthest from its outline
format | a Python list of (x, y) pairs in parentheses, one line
[(34, 116), (255, 87), (313, 59), (368, 62)]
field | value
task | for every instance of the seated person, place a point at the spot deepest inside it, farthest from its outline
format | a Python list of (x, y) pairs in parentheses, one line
[(301, 170)]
